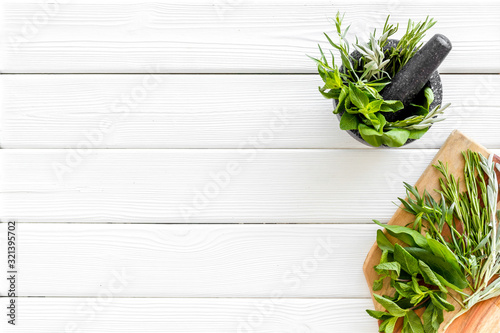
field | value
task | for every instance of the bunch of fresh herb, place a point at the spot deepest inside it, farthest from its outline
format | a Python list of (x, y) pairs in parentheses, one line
[(453, 244), (358, 84)]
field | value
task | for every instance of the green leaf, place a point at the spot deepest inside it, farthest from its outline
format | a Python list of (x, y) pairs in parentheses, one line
[(443, 252), (396, 137), (427, 318), (390, 306), (430, 277), (439, 266), (409, 236), (378, 284), (417, 134), (389, 266), (331, 94), (344, 92), (358, 97), (349, 121), (373, 120), (403, 289), (413, 323), (383, 242), (373, 106), (379, 314), (333, 80), (429, 97), (440, 302), (408, 263), (419, 110), (382, 122), (391, 106), (370, 135), (388, 325)]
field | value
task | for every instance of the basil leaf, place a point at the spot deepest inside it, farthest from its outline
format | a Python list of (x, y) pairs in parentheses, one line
[(383, 242), (358, 97), (333, 93), (390, 306), (373, 106), (349, 121), (417, 134), (405, 234), (391, 106), (396, 137), (370, 135), (429, 97), (341, 103), (382, 121)]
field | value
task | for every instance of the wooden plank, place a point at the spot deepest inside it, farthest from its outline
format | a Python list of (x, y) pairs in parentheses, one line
[(231, 111), (473, 321), (205, 185), (222, 36), (192, 260), (149, 315)]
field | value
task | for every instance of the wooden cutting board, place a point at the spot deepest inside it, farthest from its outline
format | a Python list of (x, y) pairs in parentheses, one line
[(485, 316)]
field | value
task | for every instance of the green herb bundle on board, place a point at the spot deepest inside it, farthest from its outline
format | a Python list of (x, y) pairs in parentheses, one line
[(450, 251)]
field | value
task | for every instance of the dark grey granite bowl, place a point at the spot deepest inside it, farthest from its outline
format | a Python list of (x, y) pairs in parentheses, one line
[(434, 83)]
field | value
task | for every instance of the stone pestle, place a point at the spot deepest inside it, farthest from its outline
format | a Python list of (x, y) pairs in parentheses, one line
[(410, 80)]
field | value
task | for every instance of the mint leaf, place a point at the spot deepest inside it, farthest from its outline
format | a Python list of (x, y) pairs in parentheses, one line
[(378, 284), (440, 302), (413, 323), (379, 314), (383, 242), (389, 266), (390, 306), (388, 325)]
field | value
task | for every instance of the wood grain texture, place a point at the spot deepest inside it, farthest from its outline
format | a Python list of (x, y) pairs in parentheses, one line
[(205, 185), (481, 317), (231, 111), (131, 315), (222, 36), (84, 260)]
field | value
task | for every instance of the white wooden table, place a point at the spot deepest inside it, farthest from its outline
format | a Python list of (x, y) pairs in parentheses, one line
[(173, 168)]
